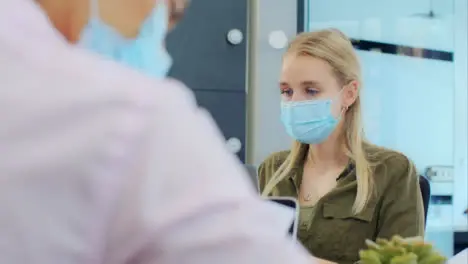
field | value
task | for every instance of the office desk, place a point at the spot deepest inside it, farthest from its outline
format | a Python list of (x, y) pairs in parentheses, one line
[(443, 237), (461, 241), (460, 258)]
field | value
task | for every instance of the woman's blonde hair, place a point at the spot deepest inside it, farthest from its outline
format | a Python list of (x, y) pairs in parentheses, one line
[(333, 47)]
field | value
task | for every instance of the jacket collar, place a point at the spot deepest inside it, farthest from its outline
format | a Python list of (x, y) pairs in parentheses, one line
[(298, 168)]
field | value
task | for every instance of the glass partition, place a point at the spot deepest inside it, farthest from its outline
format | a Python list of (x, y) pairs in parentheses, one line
[(414, 72)]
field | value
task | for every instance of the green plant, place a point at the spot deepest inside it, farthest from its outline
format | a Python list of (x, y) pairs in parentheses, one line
[(400, 251)]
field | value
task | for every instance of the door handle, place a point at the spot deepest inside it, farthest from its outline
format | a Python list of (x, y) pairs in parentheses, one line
[(235, 36), (278, 39), (234, 145)]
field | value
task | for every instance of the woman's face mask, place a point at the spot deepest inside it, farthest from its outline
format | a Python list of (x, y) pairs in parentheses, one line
[(313, 99), (311, 121), (146, 52)]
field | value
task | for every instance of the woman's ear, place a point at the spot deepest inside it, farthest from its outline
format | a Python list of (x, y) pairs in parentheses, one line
[(176, 10), (350, 94)]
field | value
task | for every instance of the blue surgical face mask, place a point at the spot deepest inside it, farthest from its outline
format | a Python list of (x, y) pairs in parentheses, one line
[(146, 52), (309, 122)]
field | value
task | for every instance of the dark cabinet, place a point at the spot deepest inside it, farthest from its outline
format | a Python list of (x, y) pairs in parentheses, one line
[(211, 65), (229, 114), (203, 57)]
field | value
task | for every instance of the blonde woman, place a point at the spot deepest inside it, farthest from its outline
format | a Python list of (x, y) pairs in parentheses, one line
[(349, 190)]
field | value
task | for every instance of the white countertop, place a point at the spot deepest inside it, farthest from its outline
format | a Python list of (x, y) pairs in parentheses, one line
[(446, 228), (460, 258)]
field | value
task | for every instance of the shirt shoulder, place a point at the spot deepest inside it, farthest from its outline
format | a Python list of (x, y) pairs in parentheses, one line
[(392, 167), (274, 160), (269, 166)]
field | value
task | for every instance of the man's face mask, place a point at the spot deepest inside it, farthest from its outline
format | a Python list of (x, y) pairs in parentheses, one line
[(145, 52)]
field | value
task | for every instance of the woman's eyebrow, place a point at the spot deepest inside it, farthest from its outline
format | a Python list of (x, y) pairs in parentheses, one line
[(310, 83)]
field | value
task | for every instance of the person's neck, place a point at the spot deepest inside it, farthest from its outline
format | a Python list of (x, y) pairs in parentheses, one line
[(66, 16), (329, 153)]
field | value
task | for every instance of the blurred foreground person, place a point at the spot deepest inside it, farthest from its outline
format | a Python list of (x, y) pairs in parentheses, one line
[(104, 161)]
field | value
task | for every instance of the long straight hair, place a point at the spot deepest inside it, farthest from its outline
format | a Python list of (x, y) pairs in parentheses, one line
[(336, 49)]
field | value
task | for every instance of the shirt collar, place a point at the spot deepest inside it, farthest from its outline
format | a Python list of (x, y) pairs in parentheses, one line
[(297, 168)]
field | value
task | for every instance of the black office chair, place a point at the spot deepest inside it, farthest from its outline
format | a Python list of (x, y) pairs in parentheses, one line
[(426, 194)]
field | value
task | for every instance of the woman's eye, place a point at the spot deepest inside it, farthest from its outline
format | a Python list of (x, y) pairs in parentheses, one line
[(312, 92), (287, 92)]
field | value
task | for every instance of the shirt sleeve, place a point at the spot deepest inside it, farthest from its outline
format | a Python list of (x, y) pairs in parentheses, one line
[(189, 200), (402, 211), (266, 171)]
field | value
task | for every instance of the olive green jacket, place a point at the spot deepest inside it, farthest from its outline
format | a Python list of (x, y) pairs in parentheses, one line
[(334, 232)]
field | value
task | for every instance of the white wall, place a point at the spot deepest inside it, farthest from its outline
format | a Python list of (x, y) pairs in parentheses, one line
[(394, 21), (408, 106), (417, 106), (461, 111), (408, 102), (265, 133)]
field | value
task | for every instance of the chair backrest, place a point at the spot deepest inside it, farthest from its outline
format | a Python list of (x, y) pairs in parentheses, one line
[(426, 194), (252, 171)]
